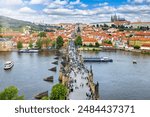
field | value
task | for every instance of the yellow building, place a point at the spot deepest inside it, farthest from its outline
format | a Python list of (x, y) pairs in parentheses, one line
[(5, 44)]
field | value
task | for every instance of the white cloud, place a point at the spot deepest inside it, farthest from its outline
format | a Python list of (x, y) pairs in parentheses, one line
[(58, 11), (57, 4), (27, 10), (139, 1), (75, 2), (10, 2), (103, 4), (61, 2), (78, 2), (38, 1), (83, 5)]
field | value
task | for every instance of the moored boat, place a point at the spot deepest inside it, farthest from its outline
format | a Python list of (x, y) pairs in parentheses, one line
[(28, 51), (97, 59), (134, 62), (8, 65)]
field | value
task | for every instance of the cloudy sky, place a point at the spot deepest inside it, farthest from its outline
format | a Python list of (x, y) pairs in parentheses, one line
[(74, 11)]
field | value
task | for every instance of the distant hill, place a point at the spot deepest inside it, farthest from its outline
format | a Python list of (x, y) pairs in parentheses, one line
[(10, 22), (17, 25)]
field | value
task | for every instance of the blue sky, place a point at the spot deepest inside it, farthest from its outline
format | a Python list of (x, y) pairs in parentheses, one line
[(85, 11)]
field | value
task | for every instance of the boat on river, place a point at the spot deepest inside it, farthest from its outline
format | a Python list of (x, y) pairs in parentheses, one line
[(134, 62), (97, 59), (28, 51), (8, 65)]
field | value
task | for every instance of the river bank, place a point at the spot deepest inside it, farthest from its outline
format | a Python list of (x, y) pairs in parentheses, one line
[(113, 49)]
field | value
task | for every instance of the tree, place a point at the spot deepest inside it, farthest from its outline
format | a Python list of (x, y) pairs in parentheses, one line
[(30, 44), (39, 43), (113, 26), (53, 43), (47, 42), (136, 47), (78, 41), (90, 45), (10, 93), (97, 26), (78, 30), (108, 41), (59, 92), (42, 34), (59, 42), (19, 45), (97, 44)]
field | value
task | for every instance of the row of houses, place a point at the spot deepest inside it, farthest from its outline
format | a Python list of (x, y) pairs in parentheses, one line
[(89, 35), (119, 39)]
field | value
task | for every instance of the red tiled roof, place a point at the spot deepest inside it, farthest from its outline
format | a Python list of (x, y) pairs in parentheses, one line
[(146, 45)]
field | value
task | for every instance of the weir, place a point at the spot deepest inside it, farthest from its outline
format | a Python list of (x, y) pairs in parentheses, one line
[(77, 78)]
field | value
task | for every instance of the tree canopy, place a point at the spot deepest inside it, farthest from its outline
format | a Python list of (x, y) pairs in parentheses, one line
[(59, 92), (136, 47), (97, 44), (78, 41), (42, 34), (30, 44), (59, 42), (108, 41), (39, 43), (47, 42), (19, 45), (10, 93)]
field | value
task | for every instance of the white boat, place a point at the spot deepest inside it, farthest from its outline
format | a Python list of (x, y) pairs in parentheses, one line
[(134, 62), (28, 51), (8, 65)]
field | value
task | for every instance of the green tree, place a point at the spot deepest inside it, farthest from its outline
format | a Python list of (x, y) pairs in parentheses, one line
[(30, 44), (59, 42), (136, 47), (97, 44), (59, 92), (78, 41), (19, 45), (42, 34), (97, 26), (47, 42), (39, 43), (108, 41), (90, 45), (53, 43), (78, 30), (10, 93)]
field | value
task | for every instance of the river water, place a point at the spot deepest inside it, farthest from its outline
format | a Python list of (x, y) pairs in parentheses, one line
[(28, 72), (120, 79)]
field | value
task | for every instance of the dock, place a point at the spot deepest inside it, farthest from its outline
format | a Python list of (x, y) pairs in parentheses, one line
[(77, 78)]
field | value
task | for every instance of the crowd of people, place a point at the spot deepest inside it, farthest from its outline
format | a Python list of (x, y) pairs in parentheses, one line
[(78, 74)]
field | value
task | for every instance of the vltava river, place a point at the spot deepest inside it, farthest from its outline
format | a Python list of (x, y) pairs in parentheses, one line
[(120, 79), (28, 72)]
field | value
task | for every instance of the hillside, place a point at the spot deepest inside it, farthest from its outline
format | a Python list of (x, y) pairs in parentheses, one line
[(17, 25)]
